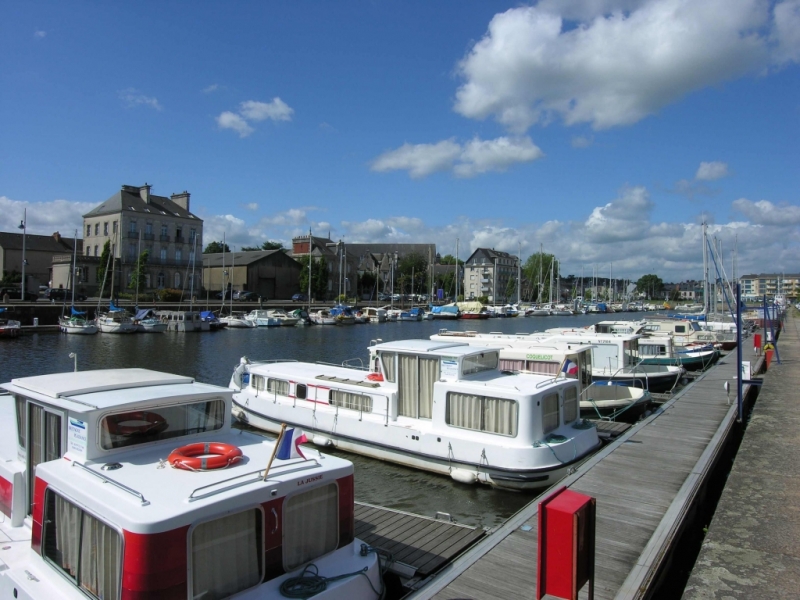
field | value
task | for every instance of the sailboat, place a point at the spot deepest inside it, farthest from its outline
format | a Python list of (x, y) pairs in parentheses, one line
[(115, 320), (233, 320), (76, 322)]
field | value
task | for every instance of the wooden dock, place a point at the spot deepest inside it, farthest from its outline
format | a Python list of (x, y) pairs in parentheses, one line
[(645, 483), (419, 545)]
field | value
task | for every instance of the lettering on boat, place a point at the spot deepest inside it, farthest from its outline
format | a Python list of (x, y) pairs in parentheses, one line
[(539, 356), (309, 480)]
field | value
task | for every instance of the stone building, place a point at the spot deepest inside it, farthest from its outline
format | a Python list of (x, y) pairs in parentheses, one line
[(491, 273), (271, 274)]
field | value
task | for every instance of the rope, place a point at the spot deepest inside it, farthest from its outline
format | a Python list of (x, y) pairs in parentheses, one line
[(310, 582)]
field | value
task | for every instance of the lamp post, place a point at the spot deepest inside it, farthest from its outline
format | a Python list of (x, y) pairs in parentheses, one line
[(24, 226)]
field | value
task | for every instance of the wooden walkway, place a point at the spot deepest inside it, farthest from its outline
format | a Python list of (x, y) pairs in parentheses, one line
[(419, 545), (644, 482)]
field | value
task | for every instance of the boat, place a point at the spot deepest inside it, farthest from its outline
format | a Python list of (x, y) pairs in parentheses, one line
[(482, 313), (374, 315), (9, 328), (541, 310), (214, 324), (262, 318), (447, 311), (343, 315), (686, 331), (284, 319), (130, 483), (561, 310), (301, 315), (147, 321), (442, 407), (237, 320), (660, 350), (322, 316), (77, 323), (183, 321), (115, 320), (412, 314)]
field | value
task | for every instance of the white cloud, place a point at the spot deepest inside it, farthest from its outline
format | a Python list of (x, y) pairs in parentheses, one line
[(787, 31), (474, 157), (229, 120), (582, 141), (44, 218), (277, 110), (211, 88), (132, 98), (39, 34), (252, 206), (619, 62), (711, 171), (626, 218), (765, 212)]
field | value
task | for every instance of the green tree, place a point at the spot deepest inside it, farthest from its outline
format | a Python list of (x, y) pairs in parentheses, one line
[(366, 283), (268, 245), (103, 276), (216, 248), (411, 265), (319, 277), (651, 285), (139, 274), (449, 259), (511, 290), (536, 273)]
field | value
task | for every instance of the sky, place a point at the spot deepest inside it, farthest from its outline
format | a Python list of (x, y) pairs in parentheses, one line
[(603, 131)]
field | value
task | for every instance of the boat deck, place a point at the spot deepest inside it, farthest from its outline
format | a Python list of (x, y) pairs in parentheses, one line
[(419, 545), (645, 482)]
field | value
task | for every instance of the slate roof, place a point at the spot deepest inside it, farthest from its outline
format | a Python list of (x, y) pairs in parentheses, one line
[(239, 259), (132, 201), (37, 243)]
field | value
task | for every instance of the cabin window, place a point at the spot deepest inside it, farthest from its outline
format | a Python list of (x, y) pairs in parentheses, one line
[(301, 391), (549, 413), (44, 437), (160, 423), (350, 400), (508, 364), (387, 365), (86, 550), (22, 420), (278, 387), (476, 363), (416, 377), (680, 329), (227, 555), (310, 525), (570, 404), (482, 413)]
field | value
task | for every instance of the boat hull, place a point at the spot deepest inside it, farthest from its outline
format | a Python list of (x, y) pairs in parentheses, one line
[(656, 383)]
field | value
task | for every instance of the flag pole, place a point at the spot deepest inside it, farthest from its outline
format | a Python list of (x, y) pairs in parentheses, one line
[(275, 450)]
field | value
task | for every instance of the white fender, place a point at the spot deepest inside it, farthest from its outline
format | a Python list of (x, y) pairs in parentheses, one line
[(463, 475), (319, 440)]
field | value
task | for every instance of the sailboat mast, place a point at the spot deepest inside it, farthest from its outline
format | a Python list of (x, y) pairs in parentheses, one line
[(191, 288), (138, 271), (74, 263), (705, 271), (113, 258), (309, 270), (456, 298), (519, 273)]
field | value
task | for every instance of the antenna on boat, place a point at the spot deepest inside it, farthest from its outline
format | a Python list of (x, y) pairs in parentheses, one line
[(275, 450)]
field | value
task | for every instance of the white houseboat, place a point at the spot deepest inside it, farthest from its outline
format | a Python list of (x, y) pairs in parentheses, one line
[(129, 483), (442, 407)]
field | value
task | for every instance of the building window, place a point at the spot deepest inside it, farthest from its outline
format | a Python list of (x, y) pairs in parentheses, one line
[(179, 233), (88, 250), (133, 226), (310, 525), (86, 550), (227, 555), (114, 228), (148, 227), (192, 234), (105, 228), (95, 250), (132, 251), (177, 280), (165, 230), (178, 255), (163, 255), (97, 228), (161, 280), (88, 230), (191, 255)]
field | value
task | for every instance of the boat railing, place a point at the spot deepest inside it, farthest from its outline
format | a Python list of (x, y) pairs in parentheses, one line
[(238, 481), (354, 363), (106, 479)]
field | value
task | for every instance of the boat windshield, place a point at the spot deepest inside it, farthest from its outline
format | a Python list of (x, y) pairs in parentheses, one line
[(164, 422), (486, 361)]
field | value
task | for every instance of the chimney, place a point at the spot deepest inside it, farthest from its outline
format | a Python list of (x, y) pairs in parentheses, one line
[(57, 237), (144, 192), (181, 200)]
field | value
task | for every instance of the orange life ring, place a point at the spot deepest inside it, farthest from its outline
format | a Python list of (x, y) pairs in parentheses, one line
[(153, 423), (188, 457), (375, 377)]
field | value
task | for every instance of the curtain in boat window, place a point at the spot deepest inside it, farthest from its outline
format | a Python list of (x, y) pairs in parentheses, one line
[(387, 366), (22, 419), (570, 404), (407, 386), (87, 550), (259, 382), (544, 368), (227, 555), (549, 413), (351, 400), (310, 525), (44, 432), (278, 386), (464, 410), (507, 364), (428, 375), (500, 416)]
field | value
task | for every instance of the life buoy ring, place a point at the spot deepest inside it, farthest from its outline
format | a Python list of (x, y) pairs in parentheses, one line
[(375, 377), (151, 423), (189, 457)]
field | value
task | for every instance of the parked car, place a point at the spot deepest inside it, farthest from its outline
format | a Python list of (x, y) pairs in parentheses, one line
[(221, 295), (245, 296), (63, 294), (15, 293), (300, 298)]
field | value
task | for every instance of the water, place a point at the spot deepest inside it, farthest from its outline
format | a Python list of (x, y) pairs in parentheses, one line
[(211, 357)]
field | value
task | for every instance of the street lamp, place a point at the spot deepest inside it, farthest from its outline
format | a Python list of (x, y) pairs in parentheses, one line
[(24, 226)]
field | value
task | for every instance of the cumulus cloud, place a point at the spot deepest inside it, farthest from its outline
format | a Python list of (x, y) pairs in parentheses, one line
[(44, 218), (229, 120), (626, 218), (611, 63), (711, 171), (39, 34), (132, 98), (473, 158), (765, 212), (252, 111)]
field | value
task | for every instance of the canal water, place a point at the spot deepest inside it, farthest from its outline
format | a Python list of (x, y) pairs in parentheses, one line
[(211, 357)]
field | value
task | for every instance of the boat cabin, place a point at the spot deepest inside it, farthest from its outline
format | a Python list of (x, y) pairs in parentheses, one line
[(89, 476), (183, 320)]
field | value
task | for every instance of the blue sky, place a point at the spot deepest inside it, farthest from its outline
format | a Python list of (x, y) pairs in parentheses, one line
[(605, 130)]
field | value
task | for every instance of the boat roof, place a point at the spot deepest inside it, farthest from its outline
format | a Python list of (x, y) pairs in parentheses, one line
[(82, 391), (435, 348)]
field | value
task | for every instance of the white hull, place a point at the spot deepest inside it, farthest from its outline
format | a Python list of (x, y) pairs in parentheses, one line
[(236, 323), (87, 328), (115, 327)]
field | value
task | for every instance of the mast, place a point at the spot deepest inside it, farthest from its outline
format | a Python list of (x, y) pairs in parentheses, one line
[(519, 273), (309, 270), (233, 272), (191, 288), (705, 271), (222, 278), (138, 259), (456, 298), (541, 259), (113, 258), (74, 261)]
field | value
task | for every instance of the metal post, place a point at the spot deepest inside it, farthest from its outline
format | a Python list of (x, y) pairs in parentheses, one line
[(24, 226), (739, 398)]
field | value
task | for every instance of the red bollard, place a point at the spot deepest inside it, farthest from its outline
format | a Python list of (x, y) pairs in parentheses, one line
[(757, 343), (768, 356)]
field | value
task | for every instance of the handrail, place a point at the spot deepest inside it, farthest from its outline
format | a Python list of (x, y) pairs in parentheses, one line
[(107, 479), (259, 476)]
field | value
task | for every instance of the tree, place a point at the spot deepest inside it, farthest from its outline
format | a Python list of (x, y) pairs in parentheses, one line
[(216, 248), (139, 275), (411, 265), (651, 285), (366, 283), (268, 245), (449, 259), (536, 272), (319, 276)]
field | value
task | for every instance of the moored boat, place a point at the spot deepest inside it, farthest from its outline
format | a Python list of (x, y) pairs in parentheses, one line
[(77, 323), (439, 407), (147, 321), (116, 320), (9, 328), (262, 318), (237, 321), (183, 321), (93, 509)]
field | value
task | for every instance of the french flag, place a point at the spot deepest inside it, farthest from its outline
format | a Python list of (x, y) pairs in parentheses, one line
[(290, 444), (570, 368)]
